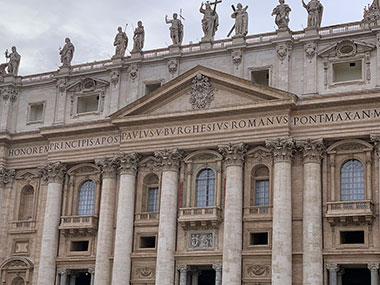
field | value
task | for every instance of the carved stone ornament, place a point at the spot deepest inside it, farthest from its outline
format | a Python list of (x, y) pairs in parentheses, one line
[(183, 268), (217, 267), (237, 58), (310, 50), (169, 159), (202, 92), (145, 272), (61, 85), (9, 92), (128, 163), (332, 267), (258, 270), (108, 166), (172, 66), (114, 76), (374, 267), (262, 155), (6, 175), (134, 71), (233, 154), (201, 241), (282, 148), (283, 50), (372, 12), (346, 49), (375, 138), (312, 150), (53, 172)]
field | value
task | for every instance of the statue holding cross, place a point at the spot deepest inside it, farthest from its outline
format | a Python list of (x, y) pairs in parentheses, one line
[(240, 15), (210, 21)]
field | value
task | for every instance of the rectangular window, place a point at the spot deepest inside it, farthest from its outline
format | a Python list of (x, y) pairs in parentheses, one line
[(347, 71), (261, 77), (36, 112), (148, 242), (259, 239), (152, 199), (262, 192), (79, 245), (88, 104), (149, 88), (352, 237)]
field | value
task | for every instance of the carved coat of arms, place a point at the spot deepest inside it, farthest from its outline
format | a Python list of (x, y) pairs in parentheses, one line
[(202, 92)]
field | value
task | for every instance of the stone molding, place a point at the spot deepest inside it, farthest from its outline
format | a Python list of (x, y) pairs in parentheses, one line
[(108, 166), (312, 150), (234, 154), (333, 267), (375, 138), (282, 149), (53, 172), (374, 267), (6, 176), (128, 163), (170, 159)]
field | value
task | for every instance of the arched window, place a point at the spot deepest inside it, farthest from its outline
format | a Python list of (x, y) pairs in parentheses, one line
[(352, 181), (86, 199), (25, 212), (205, 188), (18, 281), (261, 185)]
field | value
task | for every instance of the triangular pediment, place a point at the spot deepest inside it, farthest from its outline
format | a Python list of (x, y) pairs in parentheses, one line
[(346, 48), (202, 89), (87, 84)]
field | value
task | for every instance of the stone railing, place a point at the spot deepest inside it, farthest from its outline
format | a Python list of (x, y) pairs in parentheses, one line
[(147, 218), (198, 217), (258, 210), (350, 212), (17, 227), (79, 225)]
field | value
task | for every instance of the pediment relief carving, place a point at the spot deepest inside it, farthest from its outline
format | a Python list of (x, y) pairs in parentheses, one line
[(17, 263), (84, 169), (27, 175), (350, 146), (346, 48), (150, 163), (87, 85), (202, 156), (260, 154)]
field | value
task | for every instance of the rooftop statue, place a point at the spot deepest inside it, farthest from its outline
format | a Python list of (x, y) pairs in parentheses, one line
[(315, 10), (120, 43), (210, 21), (138, 38), (240, 15), (372, 12), (176, 29), (14, 62), (67, 53), (282, 15)]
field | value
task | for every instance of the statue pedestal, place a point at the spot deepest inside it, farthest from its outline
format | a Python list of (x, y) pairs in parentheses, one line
[(206, 45), (175, 49), (136, 54), (284, 33), (311, 32), (117, 61), (64, 69), (238, 41)]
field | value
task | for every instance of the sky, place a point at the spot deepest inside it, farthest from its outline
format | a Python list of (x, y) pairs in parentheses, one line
[(38, 27)]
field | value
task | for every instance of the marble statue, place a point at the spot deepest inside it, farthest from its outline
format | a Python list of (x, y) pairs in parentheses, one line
[(120, 43), (176, 29), (138, 38), (210, 21), (315, 10), (14, 61), (67, 53), (240, 15), (282, 15)]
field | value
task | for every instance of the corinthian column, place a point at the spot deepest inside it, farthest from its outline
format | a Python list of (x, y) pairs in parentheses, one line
[(312, 211), (233, 213), (282, 211), (165, 270), (53, 173), (106, 216), (125, 216)]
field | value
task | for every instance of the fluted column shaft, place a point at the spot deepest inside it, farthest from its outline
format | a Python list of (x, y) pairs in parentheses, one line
[(282, 211), (106, 216), (312, 212), (233, 213), (52, 173), (170, 160), (125, 217)]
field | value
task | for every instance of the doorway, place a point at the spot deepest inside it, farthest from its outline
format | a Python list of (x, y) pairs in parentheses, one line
[(84, 278), (356, 276), (206, 277)]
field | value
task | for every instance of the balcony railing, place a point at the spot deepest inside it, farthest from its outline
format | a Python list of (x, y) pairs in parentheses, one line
[(258, 212), (17, 227), (350, 211), (79, 225), (199, 217), (147, 218)]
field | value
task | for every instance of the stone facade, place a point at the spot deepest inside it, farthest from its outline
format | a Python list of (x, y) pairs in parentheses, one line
[(174, 166)]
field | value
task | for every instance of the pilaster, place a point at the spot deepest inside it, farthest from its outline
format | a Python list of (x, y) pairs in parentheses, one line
[(9, 96), (169, 159), (233, 154), (312, 150), (282, 149)]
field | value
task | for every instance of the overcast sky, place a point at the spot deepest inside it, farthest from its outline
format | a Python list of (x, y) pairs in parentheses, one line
[(38, 27)]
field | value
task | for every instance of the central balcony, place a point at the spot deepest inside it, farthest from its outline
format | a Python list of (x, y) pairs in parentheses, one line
[(79, 225), (350, 212), (200, 217)]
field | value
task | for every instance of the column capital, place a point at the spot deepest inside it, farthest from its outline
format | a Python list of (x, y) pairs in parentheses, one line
[(53, 172), (282, 148), (375, 138), (312, 150), (91, 271), (233, 153), (170, 159), (128, 163), (108, 165), (217, 267), (183, 268), (333, 267), (373, 267), (6, 176), (63, 272)]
